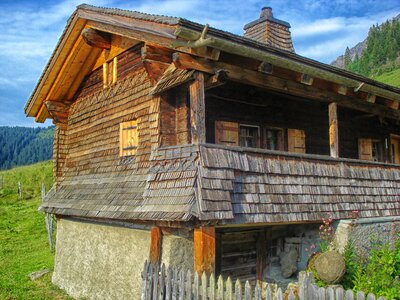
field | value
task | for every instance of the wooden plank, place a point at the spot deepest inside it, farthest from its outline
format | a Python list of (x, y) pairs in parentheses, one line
[(333, 130), (155, 245), (204, 249), (246, 76), (96, 38), (197, 110), (261, 255)]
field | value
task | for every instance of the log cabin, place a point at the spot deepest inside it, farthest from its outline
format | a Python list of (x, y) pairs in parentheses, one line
[(194, 147)]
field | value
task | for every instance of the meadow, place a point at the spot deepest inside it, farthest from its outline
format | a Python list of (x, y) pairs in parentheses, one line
[(23, 237)]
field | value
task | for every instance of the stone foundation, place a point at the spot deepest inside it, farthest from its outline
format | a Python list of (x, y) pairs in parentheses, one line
[(98, 261)]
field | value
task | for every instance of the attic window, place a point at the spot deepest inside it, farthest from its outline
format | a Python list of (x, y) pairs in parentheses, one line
[(110, 72), (128, 138)]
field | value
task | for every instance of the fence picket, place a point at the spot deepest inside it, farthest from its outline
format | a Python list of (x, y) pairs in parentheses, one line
[(155, 282), (371, 296), (228, 294), (339, 293), (257, 292), (196, 289), (268, 293), (279, 294), (159, 283), (181, 285), (330, 294), (349, 295), (204, 286), (168, 286), (220, 288), (144, 280), (291, 295), (175, 284), (161, 289), (360, 295), (247, 291), (238, 290), (212, 287), (189, 285)]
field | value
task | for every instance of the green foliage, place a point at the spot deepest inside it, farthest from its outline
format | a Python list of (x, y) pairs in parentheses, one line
[(379, 274), (23, 236), (392, 77), (382, 51), (352, 262), (23, 145)]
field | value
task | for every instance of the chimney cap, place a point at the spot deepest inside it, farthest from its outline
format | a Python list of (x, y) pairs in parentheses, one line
[(266, 14)]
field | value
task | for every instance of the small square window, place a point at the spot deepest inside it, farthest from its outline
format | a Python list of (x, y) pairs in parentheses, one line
[(249, 136), (128, 138)]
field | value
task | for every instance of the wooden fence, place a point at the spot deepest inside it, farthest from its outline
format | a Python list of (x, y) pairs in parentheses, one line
[(174, 284)]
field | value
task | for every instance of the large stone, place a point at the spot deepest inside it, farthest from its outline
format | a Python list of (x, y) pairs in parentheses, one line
[(330, 266), (288, 263)]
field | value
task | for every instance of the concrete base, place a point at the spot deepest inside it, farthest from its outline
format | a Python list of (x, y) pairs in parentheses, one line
[(177, 251), (96, 261)]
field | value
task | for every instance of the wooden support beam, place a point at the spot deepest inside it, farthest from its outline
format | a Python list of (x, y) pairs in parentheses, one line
[(204, 250), (96, 38), (266, 68), (246, 76), (290, 62), (219, 78), (58, 111), (197, 109), (306, 79), (342, 90), (261, 254), (155, 245), (371, 98), (333, 130)]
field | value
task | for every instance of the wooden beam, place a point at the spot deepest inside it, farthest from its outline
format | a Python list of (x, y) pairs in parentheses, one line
[(266, 68), (197, 109), (219, 78), (306, 79), (204, 250), (155, 245), (342, 90), (96, 38), (58, 111), (261, 254), (289, 61), (333, 130), (250, 77)]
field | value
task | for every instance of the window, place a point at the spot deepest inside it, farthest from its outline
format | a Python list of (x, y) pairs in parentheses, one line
[(395, 148), (128, 138), (227, 133), (273, 139), (296, 140), (110, 72), (370, 149), (249, 136)]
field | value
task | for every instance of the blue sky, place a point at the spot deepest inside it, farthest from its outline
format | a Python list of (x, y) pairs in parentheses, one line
[(29, 30)]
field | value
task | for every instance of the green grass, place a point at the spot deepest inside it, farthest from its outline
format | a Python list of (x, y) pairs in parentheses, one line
[(392, 77), (23, 237)]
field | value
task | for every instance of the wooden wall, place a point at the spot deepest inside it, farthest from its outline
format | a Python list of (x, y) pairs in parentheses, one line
[(252, 106), (92, 138), (59, 152)]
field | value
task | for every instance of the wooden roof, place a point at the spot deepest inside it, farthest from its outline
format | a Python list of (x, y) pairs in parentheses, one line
[(234, 185), (73, 58)]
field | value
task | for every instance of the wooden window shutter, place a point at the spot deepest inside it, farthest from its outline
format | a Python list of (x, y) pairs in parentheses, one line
[(365, 149), (128, 141), (227, 133), (296, 141)]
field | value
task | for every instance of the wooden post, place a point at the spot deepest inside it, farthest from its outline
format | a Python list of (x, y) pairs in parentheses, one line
[(204, 250), (333, 130), (155, 245), (261, 254), (197, 110)]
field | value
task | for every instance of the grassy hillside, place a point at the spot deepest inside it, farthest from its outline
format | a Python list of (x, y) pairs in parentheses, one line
[(392, 77), (23, 238)]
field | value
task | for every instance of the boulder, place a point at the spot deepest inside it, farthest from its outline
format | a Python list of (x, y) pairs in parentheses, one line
[(330, 266), (288, 262)]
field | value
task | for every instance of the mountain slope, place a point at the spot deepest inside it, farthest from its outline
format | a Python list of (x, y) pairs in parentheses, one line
[(24, 145)]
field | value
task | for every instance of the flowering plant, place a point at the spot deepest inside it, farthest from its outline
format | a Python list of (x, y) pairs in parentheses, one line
[(326, 233)]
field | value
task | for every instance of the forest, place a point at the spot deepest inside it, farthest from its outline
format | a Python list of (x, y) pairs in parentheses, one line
[(382, 53), (24, 145)]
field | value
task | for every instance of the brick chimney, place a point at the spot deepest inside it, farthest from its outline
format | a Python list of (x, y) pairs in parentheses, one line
[(270, 31)]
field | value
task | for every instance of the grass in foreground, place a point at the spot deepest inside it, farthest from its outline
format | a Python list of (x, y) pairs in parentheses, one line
[(23, 237)]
